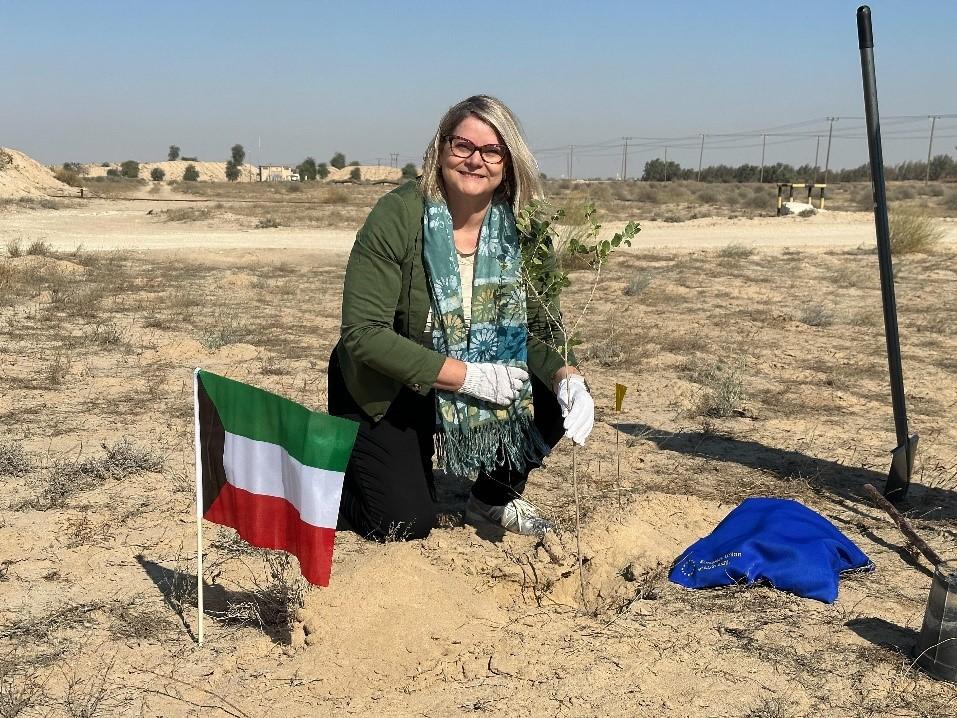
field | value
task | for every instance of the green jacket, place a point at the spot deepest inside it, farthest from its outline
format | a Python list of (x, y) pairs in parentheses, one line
[(385, 304)]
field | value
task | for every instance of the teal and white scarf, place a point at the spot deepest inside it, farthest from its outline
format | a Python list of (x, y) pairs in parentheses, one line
[(474, 434)]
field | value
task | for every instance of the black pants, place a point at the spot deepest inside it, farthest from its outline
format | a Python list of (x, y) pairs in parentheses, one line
[(389, 490)]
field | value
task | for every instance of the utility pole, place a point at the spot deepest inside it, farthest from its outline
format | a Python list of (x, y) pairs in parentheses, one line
[(700, 157), (827, 157), (571, 161), (764, 140), (378, 162), (930, 143), (624, 160), (817, 149), (666, 163)]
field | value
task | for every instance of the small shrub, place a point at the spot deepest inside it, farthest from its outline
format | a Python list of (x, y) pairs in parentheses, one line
[(130, 168), (356, 174), (911, 232), (232, 171), (14, 461), (950, 201), (112, 172), (638, 284), (724, 390), (106, 334), (809, 212), (816, 315), (69, 177), (267, 223), (187, 214), (410, 171), (735, 250), (335, 196), (57, 370), (157, 174), (68, 478), (226, 329), (14, 249), (190, 174), (39, 248)]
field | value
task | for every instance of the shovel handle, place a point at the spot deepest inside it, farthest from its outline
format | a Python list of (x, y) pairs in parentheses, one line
[(903, 524)]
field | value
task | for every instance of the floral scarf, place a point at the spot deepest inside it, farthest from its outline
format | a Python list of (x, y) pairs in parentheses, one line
[(474, 434)]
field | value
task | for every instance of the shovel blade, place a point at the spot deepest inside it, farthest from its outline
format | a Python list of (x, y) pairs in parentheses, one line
[(902, 466)]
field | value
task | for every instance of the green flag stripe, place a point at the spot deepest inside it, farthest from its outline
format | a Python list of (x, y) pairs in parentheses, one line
[(310, 437)]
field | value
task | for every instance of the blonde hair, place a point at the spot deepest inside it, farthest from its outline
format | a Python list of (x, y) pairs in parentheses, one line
[(520, 183)]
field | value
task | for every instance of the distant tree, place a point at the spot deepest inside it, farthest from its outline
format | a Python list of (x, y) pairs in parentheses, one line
[(130, 168), (338, 160), (104, 164), (658, 171), (157, 174), (941, 167), (232, 171), (112, 172), (190, 174), (354, 163), (173, 154), (190, 159), (322, 170), (307, 169), (238, 155), (410, 171), (74, 167), (356, 174)]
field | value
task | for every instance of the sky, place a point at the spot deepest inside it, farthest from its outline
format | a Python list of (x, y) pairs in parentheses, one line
[(110, 80)]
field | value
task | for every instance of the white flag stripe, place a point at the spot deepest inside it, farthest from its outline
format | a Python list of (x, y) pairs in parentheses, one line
[(267, 469)]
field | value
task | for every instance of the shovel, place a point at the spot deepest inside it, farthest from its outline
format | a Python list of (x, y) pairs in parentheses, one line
[(902, 458)]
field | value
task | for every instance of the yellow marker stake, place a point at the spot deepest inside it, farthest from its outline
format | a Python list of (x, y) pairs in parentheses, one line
[(620, 390)]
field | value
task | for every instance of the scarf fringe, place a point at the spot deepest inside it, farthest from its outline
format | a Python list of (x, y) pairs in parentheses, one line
[(517, 443)]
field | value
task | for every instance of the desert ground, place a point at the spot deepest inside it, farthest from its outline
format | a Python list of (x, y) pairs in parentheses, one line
[(752, 347)]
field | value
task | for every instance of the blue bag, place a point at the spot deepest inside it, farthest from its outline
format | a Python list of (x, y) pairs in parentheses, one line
[(775, 541)]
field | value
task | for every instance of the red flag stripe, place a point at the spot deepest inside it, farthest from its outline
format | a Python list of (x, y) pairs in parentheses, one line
[(274, 523)]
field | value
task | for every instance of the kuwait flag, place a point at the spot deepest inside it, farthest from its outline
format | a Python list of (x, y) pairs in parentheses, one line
[(271, 469)]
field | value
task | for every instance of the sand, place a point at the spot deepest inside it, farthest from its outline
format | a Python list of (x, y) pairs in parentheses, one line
[(97, 603), (22, 176)]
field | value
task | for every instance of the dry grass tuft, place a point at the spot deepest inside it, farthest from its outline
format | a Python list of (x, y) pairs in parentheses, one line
[(815, 314), (14, 461), (68, 478), (735, 251), (912, 232), (723, 390)]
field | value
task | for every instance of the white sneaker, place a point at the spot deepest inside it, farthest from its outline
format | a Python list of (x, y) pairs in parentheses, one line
[(517, 516)]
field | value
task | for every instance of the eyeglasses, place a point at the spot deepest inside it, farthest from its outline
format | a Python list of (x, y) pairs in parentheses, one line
[(461, 147)]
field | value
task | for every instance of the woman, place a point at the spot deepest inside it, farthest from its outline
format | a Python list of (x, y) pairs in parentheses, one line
[(440, 341)]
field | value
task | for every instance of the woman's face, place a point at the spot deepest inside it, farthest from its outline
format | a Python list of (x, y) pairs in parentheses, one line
[(472, 176)]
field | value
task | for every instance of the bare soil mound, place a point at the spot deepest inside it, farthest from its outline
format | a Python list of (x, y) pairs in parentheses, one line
[(369, 173), (208, 171), (21, 176)]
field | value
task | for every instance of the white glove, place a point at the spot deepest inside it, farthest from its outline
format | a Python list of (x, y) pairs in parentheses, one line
[(495, 383), (578, 408)]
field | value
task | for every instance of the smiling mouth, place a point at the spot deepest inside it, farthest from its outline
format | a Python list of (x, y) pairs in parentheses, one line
[(471, 174)]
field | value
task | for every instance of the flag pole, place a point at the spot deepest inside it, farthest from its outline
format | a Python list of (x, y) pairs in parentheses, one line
[(199, 511)]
